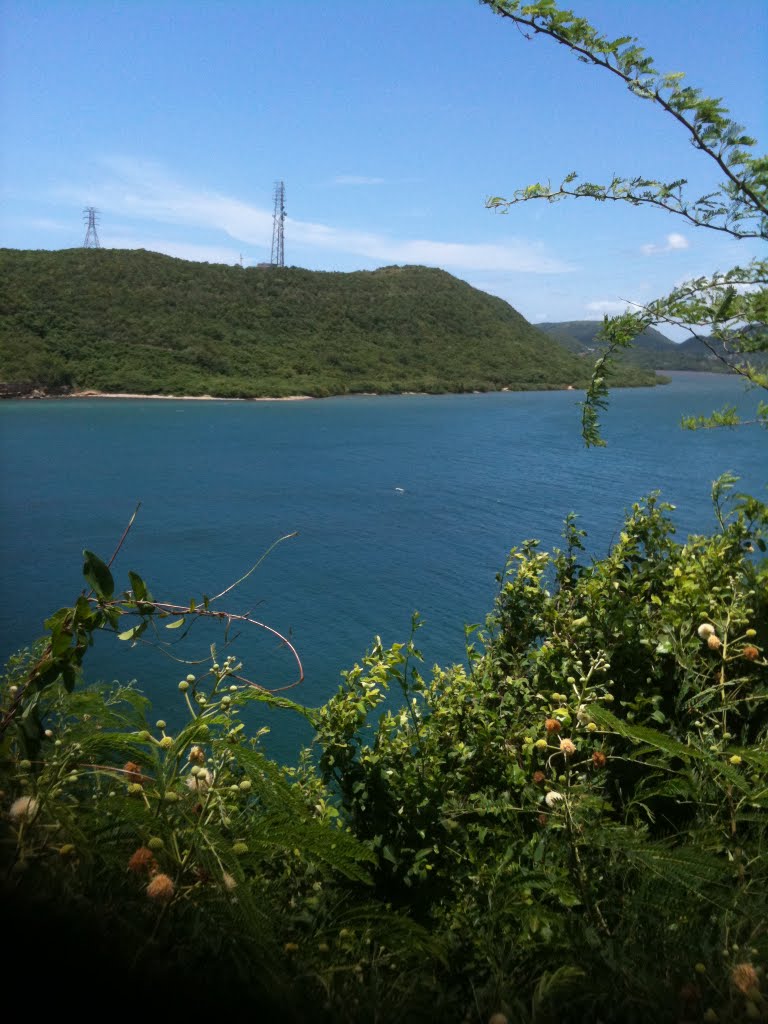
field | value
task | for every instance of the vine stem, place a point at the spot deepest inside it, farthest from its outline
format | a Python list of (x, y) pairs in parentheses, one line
[(126, 531)]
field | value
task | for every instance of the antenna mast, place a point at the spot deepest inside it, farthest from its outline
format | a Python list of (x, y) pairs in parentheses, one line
[(278, 238), (91, 216)]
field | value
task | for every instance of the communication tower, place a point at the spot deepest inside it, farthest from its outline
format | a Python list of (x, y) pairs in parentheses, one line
[(278, 218), (91, 217)]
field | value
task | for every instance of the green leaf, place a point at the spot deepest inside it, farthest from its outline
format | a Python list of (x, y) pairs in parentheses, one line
[(139, 587), (176, 623), (133, 632), (642, 734), (98, 576)]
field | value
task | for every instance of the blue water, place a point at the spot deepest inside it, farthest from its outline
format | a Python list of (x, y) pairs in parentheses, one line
[(401, 504)]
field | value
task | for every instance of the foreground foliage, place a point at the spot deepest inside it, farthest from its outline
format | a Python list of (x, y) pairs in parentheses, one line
[(571, 826)]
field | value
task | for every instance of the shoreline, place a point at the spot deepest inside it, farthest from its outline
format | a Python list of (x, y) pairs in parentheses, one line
[(169, 398), (39, 395)]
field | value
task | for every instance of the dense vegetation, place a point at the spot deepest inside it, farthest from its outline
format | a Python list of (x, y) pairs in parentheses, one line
[(135, 321), (571, 826)]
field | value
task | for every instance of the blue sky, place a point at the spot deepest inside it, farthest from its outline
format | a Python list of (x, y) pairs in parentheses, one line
[(389, 122)]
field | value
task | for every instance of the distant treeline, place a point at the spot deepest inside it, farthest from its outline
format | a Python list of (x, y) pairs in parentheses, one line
[(129, 320), (650, 350)]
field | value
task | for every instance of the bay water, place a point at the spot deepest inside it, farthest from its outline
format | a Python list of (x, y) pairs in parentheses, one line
[(401, 504)]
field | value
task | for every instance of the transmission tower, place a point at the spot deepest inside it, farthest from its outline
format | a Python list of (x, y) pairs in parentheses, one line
[(91, 217), (278, 218)]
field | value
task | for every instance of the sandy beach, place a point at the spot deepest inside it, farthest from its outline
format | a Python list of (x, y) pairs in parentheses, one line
[(182, 398)]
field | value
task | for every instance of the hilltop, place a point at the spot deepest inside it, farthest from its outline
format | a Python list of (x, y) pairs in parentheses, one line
[(135, 321)]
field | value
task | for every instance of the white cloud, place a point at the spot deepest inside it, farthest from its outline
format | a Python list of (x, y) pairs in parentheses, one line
[(181, 250), (673, 243), (49, 224), (357, 179), (609, 307), (146, 192)]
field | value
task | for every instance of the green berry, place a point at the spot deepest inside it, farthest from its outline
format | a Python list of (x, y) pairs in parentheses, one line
[(183, 685), (160, 724)]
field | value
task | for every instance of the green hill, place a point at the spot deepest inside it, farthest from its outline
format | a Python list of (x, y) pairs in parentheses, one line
[(651, 350), (116, 320)]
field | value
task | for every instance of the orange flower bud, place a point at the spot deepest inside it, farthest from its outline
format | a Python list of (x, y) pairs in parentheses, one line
[(143, 860), (134, 772), (161, 889)]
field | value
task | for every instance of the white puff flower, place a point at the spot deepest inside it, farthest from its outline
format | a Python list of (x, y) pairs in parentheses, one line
[(552, 798), (24, 808), (705, 630), (200, 782)]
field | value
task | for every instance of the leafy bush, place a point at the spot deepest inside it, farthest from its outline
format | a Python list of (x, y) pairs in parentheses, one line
[(569, 827)]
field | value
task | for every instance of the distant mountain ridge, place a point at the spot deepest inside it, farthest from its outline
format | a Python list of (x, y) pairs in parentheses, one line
[(135, 321), (651, 350)]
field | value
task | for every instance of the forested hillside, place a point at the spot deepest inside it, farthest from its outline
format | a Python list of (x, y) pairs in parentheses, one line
[(650, 350), (117, 320)]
